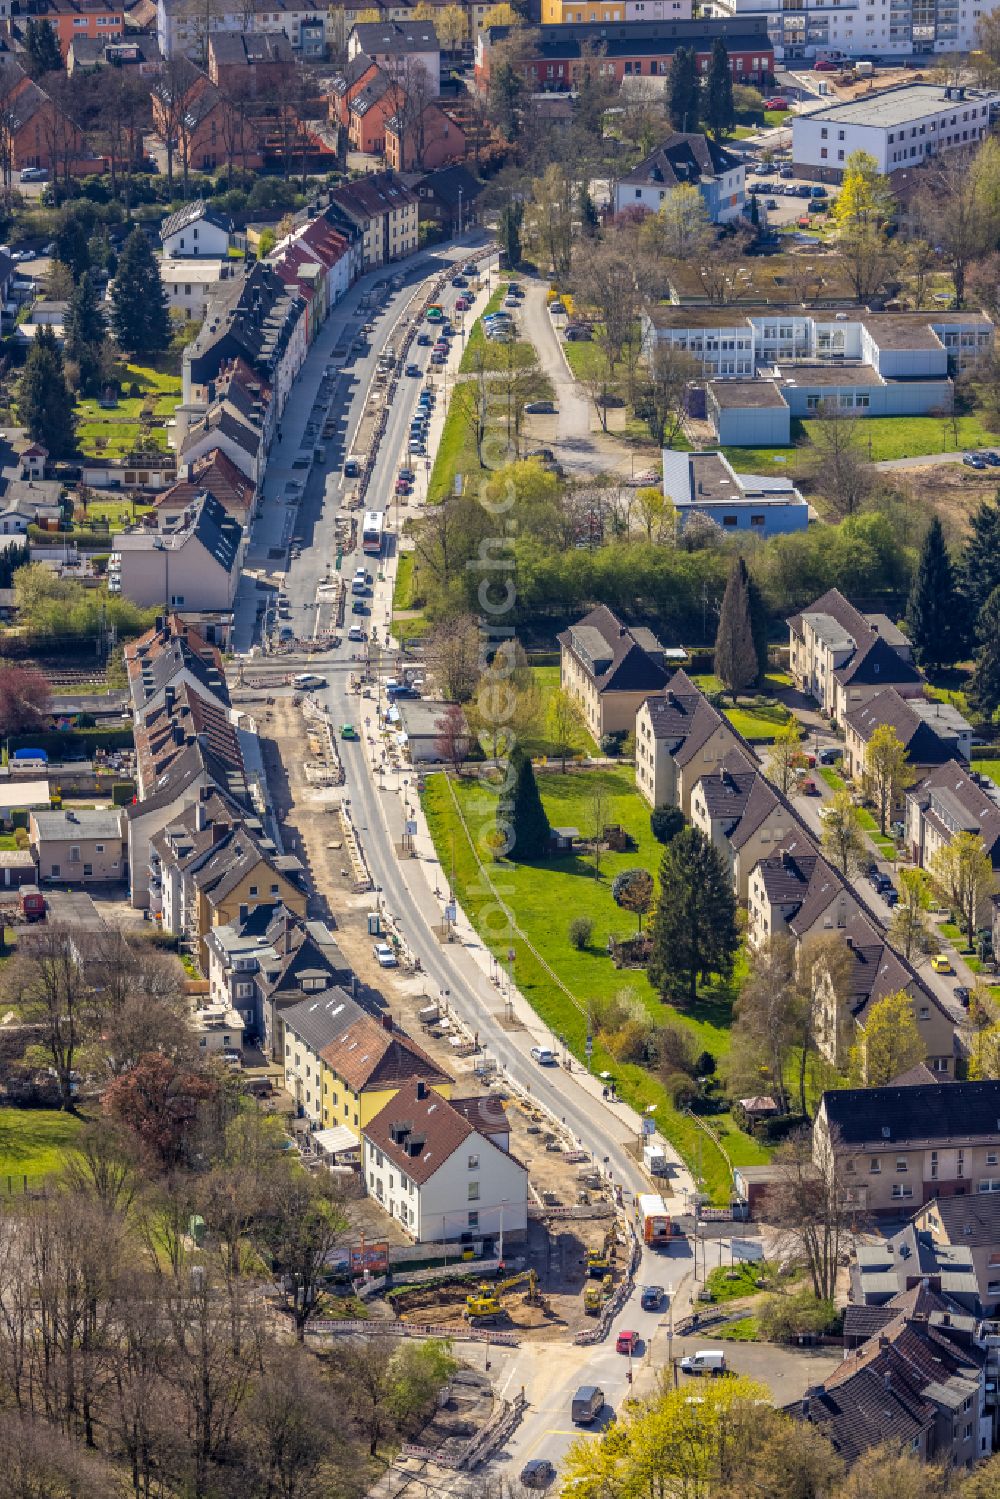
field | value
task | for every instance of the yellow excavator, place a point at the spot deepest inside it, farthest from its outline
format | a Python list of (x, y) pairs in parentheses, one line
[(600, 1261), (594, 1297), (484, 1304)]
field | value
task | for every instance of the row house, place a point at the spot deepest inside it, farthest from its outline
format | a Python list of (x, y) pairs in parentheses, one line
[(193, 565), (742, 815), (841, 657), (343, 1065), (315, 260), (560, 55), (679, 737), (214, 474), (930, 731), (951, 799), (610, 668), (258, 320), (268, 959), (39, 131), (309, 26), (406, 50), (384, 213), (421, 140), (909, 1144), (205, 128), (99, 20), (249, 64)]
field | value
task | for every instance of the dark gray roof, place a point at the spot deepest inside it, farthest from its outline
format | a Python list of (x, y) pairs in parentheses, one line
[(218, 533), (607, 649), (922, 744), (194, 213), (970, 1221), (682, 160), (320, 1020), (888, 1116), (250, 48), (396, 36)]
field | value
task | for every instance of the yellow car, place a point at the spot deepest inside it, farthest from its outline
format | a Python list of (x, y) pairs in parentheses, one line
[(940, 963)]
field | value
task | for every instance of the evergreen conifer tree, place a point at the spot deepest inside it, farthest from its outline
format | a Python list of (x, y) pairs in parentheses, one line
[(42, 48), (933, 604), (521, 820), (85, 331), (683, 90), (736, 658), (694, 929), (979, 572), (719, 111), (44, 401), (138, 302), (983, 691)]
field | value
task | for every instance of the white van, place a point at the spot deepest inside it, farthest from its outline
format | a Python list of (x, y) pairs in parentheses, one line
[(705, 1361)]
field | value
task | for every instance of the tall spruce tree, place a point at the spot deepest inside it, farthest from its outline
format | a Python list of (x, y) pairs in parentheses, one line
[(933, 603), (521, 820), (983, 691), (736, 660), (694, 929), (41, 47), (44, 401), (719, 110), (85, 332), (979, 571), (138, 302), (683, 91), (509, 233)]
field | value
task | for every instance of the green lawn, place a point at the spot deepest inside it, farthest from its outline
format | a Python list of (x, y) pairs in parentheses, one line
[(743, 1330), (402, 595), (889, 437), (586, 359), (758, 724), (829, 775), (732, 1282), (989, 768), (543, 899), (33, 1142), (114, 432), (547, 678), (497, 356)]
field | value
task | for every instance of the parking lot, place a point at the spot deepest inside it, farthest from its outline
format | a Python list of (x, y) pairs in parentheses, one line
[(787, 199)]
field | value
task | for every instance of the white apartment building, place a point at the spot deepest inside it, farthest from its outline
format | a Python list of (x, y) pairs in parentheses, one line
[(191, 284), (862, 28), (901, 127), (196, 566)]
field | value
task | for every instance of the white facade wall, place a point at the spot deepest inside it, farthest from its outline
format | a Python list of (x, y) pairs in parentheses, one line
[(190, 284), (185, 577), (658, 10), (824, 143), (469, 1193), (200, 240), (724, 196)]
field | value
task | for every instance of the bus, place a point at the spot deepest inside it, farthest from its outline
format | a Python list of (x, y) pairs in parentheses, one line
[(372, 530)]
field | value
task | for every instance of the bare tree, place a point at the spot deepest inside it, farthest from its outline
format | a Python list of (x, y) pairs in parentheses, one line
[(871, 261), (49, 981), (839, 458), (452, 653), (661, 399), (809, 1206), (171, 93)]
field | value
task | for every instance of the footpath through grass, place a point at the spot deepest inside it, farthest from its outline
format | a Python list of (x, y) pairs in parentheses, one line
[(544, 898), (33, 1143)]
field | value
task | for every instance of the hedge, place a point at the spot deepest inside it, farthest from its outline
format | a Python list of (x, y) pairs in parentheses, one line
[(81, 537), (122, 793), (60, 744)]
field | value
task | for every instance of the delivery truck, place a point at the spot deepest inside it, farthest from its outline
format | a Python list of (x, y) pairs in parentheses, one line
[(652, 1219)]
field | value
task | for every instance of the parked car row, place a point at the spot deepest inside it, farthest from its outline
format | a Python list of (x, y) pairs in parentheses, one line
[(982, 459)]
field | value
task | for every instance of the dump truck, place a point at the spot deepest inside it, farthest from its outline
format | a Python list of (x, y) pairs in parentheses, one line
[(653, 1220)]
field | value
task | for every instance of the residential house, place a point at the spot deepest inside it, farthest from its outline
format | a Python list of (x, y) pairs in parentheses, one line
[(181, 845), (706, 485), (190, 285), (842, 657), (342, 1066), (258, 320), (691, 160), (206, 129), (969, 1226), (917, 1384), (931, 732), (345, 86), (559, 55), (794, 892), (370, 107), (425, 1162), (409, 51), (941, 1139), (420, 140), (136, 56), (28, 502), (309, 25), (37, 130), (385, 212), (951, 799), (242, 869), (449, 198), (196, 230), (166, 658), (78, 848), (195, 566), (217, 475), (249, 64), (884, 1269), (103, 20), (218, 1029), (842, 1009), (742, 815), (679, 736), (610, 669)]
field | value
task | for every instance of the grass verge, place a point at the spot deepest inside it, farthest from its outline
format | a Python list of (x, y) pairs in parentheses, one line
[(34, 1142), (567, 885)]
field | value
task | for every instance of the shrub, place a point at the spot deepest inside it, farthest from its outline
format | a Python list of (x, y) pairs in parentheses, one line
[(677, 1051), (580, 931), (683, 1090), (666, 822), (636, 1041), (19, 818), (705, 1065), (611, 744), (122, 793), (783, 1318)]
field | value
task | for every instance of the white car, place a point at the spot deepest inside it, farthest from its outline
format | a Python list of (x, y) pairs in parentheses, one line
[(385, 955), (544, 1056), (306, 679), (355, 633)]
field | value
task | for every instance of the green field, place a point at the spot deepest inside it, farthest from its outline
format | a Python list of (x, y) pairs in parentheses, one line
[(543, 898), (759, 725), (33, 1142), (547, 678), (114, 432), (889, 437)]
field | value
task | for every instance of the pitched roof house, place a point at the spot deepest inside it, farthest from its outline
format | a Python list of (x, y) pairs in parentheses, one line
[(611, 668), (679, 736), (842, 657), (951, 799), (930, 732)]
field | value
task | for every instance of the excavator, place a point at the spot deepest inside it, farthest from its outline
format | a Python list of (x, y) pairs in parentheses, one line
[(484, 1304), (601, 1261), (594, 1297)]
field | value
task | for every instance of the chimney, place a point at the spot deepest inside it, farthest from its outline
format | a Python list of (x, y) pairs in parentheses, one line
[(387, 1021), (200, 819), (421, 1089), (169, 697), (161, 623), (244, 913), (883, 1341), (887, 1379)]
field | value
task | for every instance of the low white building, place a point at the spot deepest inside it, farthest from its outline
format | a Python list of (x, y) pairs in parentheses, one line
[(442, 1172), (691, 160), (195, 231), (218, 1028), (858, 28), (191, 284), (901, 127), (706, 485)]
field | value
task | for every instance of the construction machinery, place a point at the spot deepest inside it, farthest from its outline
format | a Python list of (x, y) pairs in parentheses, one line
[(527, 1278), (593, 1300), (482, 1306), (600, 1261)]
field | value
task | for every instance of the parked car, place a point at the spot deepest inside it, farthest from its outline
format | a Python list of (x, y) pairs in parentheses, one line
[(540, 408), (770, 202), (809, 787), (543, 1055), (830, 754), (973, 460), (963, 995), (34, 174), (578, 333), (307, 679), (818, 192), (705, 1361), (824, 65), (990, 457), (557, 306), (890, 895), (356, 632), (537, 1473), (407, 474), (384, 954), (787, 172), (777, 101), (414, 371), (941, 963)]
